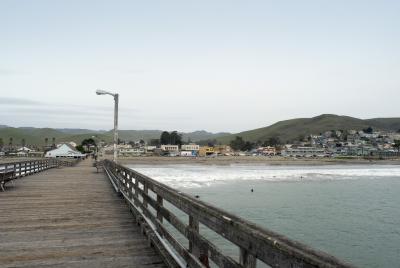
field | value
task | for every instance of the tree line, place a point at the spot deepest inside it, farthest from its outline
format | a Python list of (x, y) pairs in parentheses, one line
[(172, 138), (239, 144)]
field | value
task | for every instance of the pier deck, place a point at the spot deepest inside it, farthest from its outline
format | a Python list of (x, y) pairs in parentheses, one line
[(70, 217)]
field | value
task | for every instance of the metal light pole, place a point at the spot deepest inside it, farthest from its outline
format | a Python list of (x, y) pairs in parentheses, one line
[(116, 96)]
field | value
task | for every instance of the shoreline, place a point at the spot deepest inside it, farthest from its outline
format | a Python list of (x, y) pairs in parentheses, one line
[(252, 160)]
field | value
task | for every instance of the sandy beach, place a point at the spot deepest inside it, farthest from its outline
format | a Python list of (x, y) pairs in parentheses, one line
[(251, 160)]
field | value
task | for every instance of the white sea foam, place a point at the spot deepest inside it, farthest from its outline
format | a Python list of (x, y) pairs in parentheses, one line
[(190, 176)]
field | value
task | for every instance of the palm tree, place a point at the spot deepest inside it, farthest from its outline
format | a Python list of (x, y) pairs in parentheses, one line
[(23, 142), (46, 140)]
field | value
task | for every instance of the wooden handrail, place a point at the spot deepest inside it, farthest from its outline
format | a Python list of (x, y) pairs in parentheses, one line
[(254, 242), (24, 168)]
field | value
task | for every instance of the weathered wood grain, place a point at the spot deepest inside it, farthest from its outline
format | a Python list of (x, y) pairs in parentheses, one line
[(70, 217)]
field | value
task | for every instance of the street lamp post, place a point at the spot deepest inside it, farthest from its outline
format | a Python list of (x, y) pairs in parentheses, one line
[(116, 97)]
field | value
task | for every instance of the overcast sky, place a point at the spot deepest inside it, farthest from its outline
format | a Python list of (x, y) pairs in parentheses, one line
[(189, 65)]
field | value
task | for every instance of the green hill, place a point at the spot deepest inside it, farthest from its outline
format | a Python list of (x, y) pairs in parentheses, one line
[(31, 135), (289, 130), (36, 136)]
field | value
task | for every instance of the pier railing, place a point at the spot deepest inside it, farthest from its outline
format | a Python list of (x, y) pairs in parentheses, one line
[(148, 200), (10, 171)]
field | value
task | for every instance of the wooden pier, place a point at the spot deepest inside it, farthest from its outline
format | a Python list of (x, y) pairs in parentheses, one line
[(69, 217), (78, 217)]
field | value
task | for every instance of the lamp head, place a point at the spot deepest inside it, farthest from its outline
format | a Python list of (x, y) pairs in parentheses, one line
[(101, 92)]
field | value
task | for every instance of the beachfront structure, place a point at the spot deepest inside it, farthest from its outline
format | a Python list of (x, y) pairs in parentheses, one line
[(131, 151), (65, 150), (190, 147), (268, 150), (206, 151), (188, 153), (222, 149), (23, 151), (190, 150), (304, 152), (35, 154), (168, 149), (150, 148)]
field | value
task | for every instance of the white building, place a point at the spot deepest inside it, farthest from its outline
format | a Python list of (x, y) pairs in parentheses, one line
[(188, 153), (150, 148), (268, 150), (190, 147), (23, 151), (170, 148), (304, 152), (131, 151), (65, 150)]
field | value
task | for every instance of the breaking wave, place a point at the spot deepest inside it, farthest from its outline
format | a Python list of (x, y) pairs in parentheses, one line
[(191, 176)]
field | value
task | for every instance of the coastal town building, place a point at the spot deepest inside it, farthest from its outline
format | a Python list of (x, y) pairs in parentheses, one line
[(131, 151), (65, 150), (304, 152), (170, 150), (223, 150), (268, 151), (190, 147), (150, 148), (206, 151), (23, 151)]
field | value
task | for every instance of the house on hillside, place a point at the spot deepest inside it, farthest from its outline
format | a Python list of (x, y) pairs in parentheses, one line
[(65, 150), (304, 152)]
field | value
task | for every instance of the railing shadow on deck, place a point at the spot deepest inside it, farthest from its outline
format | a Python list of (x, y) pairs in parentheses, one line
[(254, 242)]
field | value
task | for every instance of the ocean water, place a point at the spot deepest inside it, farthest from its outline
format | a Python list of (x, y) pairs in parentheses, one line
[(351, 212)]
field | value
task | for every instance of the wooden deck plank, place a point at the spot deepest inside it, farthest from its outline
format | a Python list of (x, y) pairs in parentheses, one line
[(69, 217)]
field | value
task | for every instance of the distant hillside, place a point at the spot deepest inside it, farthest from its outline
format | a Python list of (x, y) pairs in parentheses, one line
[(37, 136), (155, 134), (202, 135), (31, 135), (289, 130), (78, 131)]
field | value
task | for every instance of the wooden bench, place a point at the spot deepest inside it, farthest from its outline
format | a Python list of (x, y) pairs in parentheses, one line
[(6, 176)]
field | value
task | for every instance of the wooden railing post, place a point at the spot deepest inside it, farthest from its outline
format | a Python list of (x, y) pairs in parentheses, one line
[(246, 259), (197, 250), (132, 187), (160, 203), (146, 191), (136, 191), (194, 226)]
